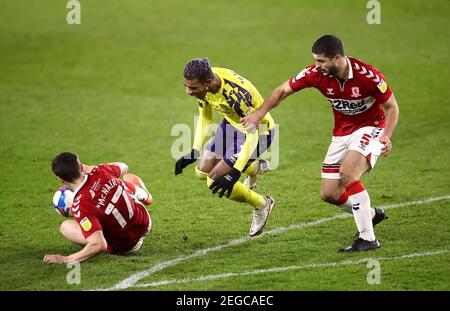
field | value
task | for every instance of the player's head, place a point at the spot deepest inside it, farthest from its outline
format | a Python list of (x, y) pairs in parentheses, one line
[(328, 52), (198, 77), (67, 166)]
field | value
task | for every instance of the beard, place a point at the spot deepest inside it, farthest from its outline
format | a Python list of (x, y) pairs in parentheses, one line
[(332, 71)]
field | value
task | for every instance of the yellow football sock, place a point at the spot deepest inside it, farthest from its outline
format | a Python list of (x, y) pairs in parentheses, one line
[(200, 175), (253, 168), (241, 193)]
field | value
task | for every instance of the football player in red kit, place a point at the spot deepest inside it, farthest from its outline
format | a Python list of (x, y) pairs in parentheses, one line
[(109, 213), (365, 116)]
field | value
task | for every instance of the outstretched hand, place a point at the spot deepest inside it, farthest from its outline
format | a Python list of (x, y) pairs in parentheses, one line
[(251, 122), (54, 258), (387, 145)]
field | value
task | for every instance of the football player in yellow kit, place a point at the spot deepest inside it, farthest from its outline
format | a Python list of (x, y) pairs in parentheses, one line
[(233, 149)]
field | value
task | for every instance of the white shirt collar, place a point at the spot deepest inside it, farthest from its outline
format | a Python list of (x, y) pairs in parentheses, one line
[(350, 69), (80, 185)]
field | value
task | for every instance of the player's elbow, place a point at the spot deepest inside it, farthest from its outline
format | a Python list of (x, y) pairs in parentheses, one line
[(395, 107), (123, 168), (284, 91), (100, 247), (96, 243), (278, 94), (391, 104)]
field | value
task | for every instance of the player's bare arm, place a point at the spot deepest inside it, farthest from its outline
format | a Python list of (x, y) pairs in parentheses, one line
[(391, 111), (123, 167), (96, 244), (253, 120)]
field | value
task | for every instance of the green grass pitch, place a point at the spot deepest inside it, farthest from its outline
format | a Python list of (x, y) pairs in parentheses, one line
[(110, 89)]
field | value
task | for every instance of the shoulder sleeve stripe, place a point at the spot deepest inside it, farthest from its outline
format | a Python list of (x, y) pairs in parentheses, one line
[(306, 71), (376, 79), (369, 74)]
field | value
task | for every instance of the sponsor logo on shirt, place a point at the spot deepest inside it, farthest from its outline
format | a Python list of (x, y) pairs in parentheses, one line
[(351, 107), (95, 185)]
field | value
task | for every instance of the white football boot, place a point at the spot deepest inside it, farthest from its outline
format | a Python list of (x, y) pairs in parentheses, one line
[(142, 194), (260, 217), (252, 181)]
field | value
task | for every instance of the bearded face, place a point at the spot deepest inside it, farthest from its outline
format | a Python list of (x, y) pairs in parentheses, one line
[(327, 65)]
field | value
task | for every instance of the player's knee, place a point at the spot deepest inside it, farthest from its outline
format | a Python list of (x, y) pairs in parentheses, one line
[(65, 228), (328, 196), (200, 175), (346, 176)]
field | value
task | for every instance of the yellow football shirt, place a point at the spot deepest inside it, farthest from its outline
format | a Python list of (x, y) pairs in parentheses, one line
[(236, 98)]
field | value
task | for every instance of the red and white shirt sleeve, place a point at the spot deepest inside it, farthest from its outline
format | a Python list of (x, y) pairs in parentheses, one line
[(112, 168), (303, 79)]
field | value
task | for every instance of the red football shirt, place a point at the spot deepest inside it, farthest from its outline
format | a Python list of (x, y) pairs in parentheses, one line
[(102, 202), (356, 101)]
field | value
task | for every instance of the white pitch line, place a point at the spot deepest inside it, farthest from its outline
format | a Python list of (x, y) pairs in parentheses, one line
[(133, 279), (281, 269)]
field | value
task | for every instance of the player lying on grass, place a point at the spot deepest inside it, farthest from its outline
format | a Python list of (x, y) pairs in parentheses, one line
[(109, 213), (233, 150), (358, 95)]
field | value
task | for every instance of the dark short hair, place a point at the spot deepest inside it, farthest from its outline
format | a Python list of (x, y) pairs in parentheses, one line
[(198, 68), (329, 45), (66, 166)]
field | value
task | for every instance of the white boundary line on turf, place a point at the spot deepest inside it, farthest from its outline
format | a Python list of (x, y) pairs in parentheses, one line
[(133, 279), (282, 269)]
